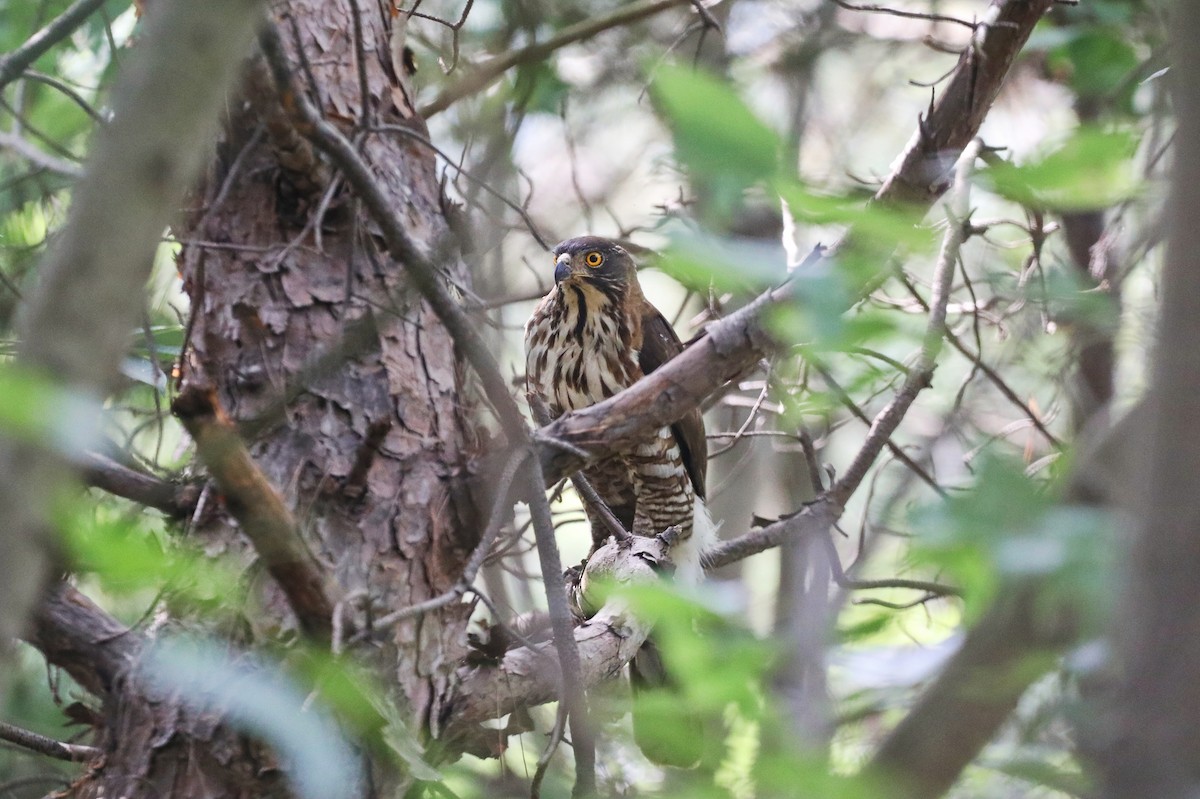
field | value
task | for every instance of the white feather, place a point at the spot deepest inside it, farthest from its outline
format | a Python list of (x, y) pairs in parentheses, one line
[(686, 553)]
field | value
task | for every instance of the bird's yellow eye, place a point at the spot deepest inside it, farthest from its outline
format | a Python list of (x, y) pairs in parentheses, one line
[(593, 259)]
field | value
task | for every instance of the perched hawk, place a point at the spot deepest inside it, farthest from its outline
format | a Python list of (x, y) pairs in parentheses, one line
[(591, 336)]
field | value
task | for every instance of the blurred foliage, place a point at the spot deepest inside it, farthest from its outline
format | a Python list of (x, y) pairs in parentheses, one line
[(1008, 529), (734, 155), (1093, 169)]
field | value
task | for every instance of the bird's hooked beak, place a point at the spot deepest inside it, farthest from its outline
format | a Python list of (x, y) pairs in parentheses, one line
[(562, 268)]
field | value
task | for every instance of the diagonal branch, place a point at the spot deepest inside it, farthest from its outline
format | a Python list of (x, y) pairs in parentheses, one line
[(925, 168), (529, 676), (921, 373), (59, 28), (83, 640), (259, 510), (488, 73)]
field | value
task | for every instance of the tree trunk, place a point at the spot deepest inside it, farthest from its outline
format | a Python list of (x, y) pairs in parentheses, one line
[(1154, 729), (372, 451)]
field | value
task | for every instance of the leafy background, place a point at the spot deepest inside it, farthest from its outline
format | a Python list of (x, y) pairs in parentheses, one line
[(683, 144)]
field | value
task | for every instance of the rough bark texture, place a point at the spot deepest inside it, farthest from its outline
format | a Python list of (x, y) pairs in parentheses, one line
[(372, 456), (152, 747), (261, 315)]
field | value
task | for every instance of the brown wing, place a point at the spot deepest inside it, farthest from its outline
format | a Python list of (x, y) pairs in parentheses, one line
[(659, 345)]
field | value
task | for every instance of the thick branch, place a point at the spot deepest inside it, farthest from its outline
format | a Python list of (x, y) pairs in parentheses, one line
[(259, 510), (1010, 647), (80, 638), (174, 499), (530, 676), (954, 118), (1154, 719)]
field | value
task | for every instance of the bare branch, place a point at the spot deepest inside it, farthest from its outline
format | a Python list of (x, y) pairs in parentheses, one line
[(487, 74), (898, 12), (816, 518), (921, 373), (924, 169), (531, 676), (59, 28), (258, 508), (35, 156), (75, 753), (177, 500), (979, 688), (80, 638)]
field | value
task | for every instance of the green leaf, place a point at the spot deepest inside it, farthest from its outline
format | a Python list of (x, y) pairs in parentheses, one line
[(1008, 529), (545, 88), (1040, 771), (865, 628), (128, 557), (1092, 169), (1095, 62), (886, 226), (699, 261), (715, 662), (38, 410), (715, 133)]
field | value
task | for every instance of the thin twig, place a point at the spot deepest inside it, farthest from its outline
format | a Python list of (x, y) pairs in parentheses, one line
[(991, 374), (37, 157), (455, 27), (556, 736), (897, 12), (75, 753), (66, 90), (174, 499), (583, 487), (16, 62), (360, 63), (488, 73), (519, 210), (562, 622), (848, 401)]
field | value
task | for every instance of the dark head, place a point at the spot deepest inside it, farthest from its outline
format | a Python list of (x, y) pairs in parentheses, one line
[(591, 259)]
